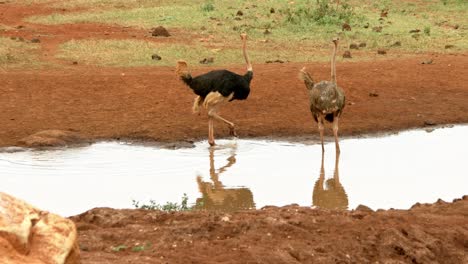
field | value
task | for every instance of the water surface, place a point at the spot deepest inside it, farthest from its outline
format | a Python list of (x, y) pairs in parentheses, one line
[(393, 171)]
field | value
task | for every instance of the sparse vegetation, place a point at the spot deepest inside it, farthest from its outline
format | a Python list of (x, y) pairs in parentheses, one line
[(119, 248), (17, 53), (208, 6), (297, 31), (136, 248), (168, 207), (128, 53), (321, 12), (139, 248), (427, 30)]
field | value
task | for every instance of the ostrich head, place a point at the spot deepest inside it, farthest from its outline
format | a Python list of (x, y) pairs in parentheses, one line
[(243, 36), (336, 40)]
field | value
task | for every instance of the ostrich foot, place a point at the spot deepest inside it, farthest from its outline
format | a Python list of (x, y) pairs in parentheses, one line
[(232, 131), (211, 142)]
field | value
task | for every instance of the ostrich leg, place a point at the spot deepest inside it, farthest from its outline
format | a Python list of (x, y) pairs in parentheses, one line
[(210, 132), (321, 129), (335, 133), (212, 113)]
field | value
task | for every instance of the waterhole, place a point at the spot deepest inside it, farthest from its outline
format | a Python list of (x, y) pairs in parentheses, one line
[(393, 171)]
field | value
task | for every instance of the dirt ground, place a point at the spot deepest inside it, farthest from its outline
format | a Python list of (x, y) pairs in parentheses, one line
[(149, 103), (436, 233)]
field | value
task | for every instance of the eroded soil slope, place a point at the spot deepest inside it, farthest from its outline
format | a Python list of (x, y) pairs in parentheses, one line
[(436, 233)]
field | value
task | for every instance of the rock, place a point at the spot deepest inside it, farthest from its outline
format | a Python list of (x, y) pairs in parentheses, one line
[(456, 26), (267, 32), (275, 61), (272, 10), (366, 25), (207, 60), (449, 46), (160, 32), (427, 61), (364, 208), (239, 13), (52, 138), (347, 54), (75, 63), (35, 40), (384, 13), (415, 31), (156, 57), (346, 27), (362, 45), (381, 51), (430, 123), (354, 46), (31, 236), (396, 44), (373, 94), (237, 18), (377, 29)]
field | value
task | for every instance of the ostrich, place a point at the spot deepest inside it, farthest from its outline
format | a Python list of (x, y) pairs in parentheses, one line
[(327, 100), (216, 88)]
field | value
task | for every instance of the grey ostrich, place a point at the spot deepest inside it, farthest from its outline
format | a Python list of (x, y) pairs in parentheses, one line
[(327, 100)]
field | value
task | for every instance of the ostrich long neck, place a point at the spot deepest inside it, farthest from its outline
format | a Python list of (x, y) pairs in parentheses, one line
[(333, 67), (244, 50)]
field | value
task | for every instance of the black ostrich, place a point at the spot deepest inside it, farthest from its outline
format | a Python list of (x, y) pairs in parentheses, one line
[(327, 99), (216, 88)]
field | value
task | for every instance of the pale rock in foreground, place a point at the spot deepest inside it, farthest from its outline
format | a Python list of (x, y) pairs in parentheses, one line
[(31, 236)]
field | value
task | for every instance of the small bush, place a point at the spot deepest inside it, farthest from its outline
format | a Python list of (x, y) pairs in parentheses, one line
[(208, 7), (168, 207), (323, 12), (427, 30)]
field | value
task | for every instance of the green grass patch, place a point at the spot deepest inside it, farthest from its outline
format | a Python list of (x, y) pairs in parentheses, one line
[(304, 22), (128, 53), (117, 4), (18, 54)]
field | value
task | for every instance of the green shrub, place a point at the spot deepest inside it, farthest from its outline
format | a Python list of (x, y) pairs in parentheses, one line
[(427, 30), (168, 207), (323, 12), (208, 7)]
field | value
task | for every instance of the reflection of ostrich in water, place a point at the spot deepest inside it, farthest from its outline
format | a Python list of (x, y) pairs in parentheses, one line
[(216, 197), (215, 88), (334, 196), (327, 100)]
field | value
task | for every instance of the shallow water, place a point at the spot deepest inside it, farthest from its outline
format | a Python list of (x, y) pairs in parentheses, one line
[(384, 172)]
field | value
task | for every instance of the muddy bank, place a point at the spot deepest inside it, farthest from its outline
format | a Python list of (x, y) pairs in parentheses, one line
[(151, 104), (431, 233)]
